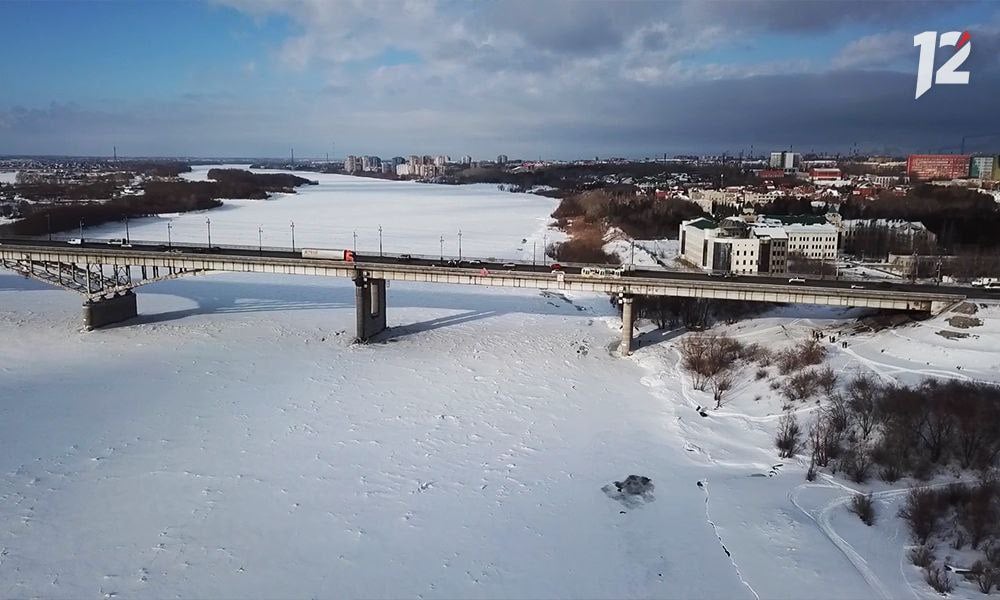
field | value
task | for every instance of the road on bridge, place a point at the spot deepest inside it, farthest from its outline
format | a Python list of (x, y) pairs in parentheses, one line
[(492, 264)]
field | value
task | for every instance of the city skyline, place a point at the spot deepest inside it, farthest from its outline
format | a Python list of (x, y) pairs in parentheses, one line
[(548, 80)]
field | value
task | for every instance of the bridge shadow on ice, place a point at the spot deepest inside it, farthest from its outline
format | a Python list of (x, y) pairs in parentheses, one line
[(219, 296)]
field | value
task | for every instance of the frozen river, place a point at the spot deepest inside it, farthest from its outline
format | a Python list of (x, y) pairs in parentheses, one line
[(414, 217)]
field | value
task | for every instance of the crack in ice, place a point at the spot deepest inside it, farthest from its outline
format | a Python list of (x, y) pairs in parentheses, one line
[(708, 517)]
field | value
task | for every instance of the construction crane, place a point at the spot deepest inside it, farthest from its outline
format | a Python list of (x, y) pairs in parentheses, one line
[(978, 135)]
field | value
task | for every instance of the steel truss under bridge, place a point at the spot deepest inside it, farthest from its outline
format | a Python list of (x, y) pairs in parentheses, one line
[(94, 280)]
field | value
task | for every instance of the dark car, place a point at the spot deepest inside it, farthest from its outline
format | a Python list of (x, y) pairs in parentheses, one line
[(555, 267), (405, 257)]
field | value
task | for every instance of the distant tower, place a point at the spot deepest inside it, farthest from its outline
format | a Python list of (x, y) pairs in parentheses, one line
[(116, 153), (293, 156)]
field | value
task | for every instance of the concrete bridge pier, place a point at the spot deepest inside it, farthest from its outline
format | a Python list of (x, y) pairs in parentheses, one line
[(370, 302), (628, 325), (105, 311)]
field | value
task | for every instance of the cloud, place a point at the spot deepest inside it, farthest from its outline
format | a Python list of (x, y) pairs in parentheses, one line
[(556, 78), (879, 50)]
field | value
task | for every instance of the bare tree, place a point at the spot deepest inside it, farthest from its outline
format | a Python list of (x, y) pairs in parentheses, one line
[(721, 383), (789, 437), (921, 512)]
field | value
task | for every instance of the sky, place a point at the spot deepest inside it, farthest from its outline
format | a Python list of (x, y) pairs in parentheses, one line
[(530, 79)]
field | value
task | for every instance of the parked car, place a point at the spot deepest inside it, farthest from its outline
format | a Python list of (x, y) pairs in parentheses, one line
[(405, 257), (855, 286), (796, 280), (75, 241), (510, 266), (555, 267)]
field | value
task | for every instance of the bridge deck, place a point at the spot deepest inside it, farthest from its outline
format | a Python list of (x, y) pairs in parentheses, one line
[(651, 283)]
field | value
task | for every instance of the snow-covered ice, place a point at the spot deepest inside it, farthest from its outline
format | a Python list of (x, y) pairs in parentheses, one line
[(8, 176), (233, 442)]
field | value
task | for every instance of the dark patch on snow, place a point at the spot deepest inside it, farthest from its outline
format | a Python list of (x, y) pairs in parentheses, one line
[(633, 492)]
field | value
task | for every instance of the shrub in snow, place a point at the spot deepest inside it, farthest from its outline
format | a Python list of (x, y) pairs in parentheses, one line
[(789, 438), (985, 575), (857, 461), (863, 505), (922, 512), (807, 353), (938, 579), (801, 386), (922, 556)]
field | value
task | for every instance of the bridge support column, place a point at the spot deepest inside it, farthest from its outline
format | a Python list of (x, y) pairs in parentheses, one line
[(98, 313), (940, 306), (628, 324), (370, 302)]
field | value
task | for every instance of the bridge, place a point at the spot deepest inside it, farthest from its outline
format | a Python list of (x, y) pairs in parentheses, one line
[(107, 275)]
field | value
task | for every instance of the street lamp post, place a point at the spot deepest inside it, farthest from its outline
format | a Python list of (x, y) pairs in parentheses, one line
[(442, 247), (126, 231), (632, 252), (292, 225), (170, 243), (380, 240), (48, 225), (260, 239), (459, 244), (208, 224), (356, 242), (81, 231), (534, 251), (545, 238)]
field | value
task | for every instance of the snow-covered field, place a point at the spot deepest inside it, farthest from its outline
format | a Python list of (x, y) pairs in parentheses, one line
[(8, 176), (644, 253), (233, 442)]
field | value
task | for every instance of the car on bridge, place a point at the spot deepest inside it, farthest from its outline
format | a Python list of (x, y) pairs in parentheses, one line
[(796, 280)]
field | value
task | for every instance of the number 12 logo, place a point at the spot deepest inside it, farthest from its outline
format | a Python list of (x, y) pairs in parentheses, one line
[(928, 43)]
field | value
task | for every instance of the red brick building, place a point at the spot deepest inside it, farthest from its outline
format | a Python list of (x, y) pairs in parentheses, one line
[(824, 174), (937, 166)]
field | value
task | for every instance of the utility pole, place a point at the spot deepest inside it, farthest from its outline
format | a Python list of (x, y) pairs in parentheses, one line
[(208, 223), (380, 240), (292, 225)]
